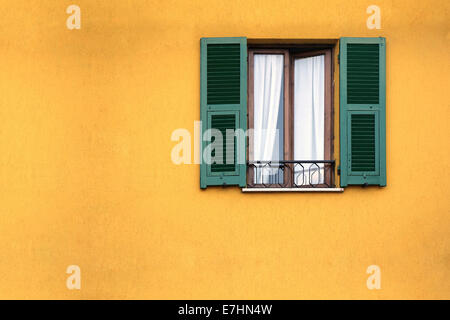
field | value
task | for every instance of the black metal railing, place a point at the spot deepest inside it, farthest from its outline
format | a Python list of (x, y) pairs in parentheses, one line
[(291, 174)]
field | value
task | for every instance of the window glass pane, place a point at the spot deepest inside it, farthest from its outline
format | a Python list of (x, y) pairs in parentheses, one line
[(309, 118), (268, 117)]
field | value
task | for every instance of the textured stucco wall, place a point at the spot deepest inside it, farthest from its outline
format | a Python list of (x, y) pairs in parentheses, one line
[(86, 176)]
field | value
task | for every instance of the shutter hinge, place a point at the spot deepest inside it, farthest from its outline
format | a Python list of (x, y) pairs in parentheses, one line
[(339, 58), (339, 170)]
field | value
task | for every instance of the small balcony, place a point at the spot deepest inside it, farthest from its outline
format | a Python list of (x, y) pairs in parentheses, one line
[(291, 175)]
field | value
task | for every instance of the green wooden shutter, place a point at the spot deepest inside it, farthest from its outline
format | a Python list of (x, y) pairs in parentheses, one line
[(362, 113), (223, 106)]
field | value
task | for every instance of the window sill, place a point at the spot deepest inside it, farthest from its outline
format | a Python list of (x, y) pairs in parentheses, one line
[(292, 189)]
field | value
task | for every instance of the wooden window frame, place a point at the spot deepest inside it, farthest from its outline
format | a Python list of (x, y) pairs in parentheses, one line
[(286, 109), (290, 55)]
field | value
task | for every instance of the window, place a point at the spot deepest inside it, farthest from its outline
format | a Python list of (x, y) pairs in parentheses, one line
[(284, 95), (290, 117)]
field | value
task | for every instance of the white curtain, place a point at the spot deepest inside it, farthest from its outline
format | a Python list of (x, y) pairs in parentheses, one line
[(268, 116), (309, 118)]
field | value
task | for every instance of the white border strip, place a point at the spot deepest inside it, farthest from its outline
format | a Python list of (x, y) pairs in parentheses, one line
[(292, 189)]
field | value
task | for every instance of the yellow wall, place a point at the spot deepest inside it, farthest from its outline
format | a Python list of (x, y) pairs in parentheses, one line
[(86, 175)]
